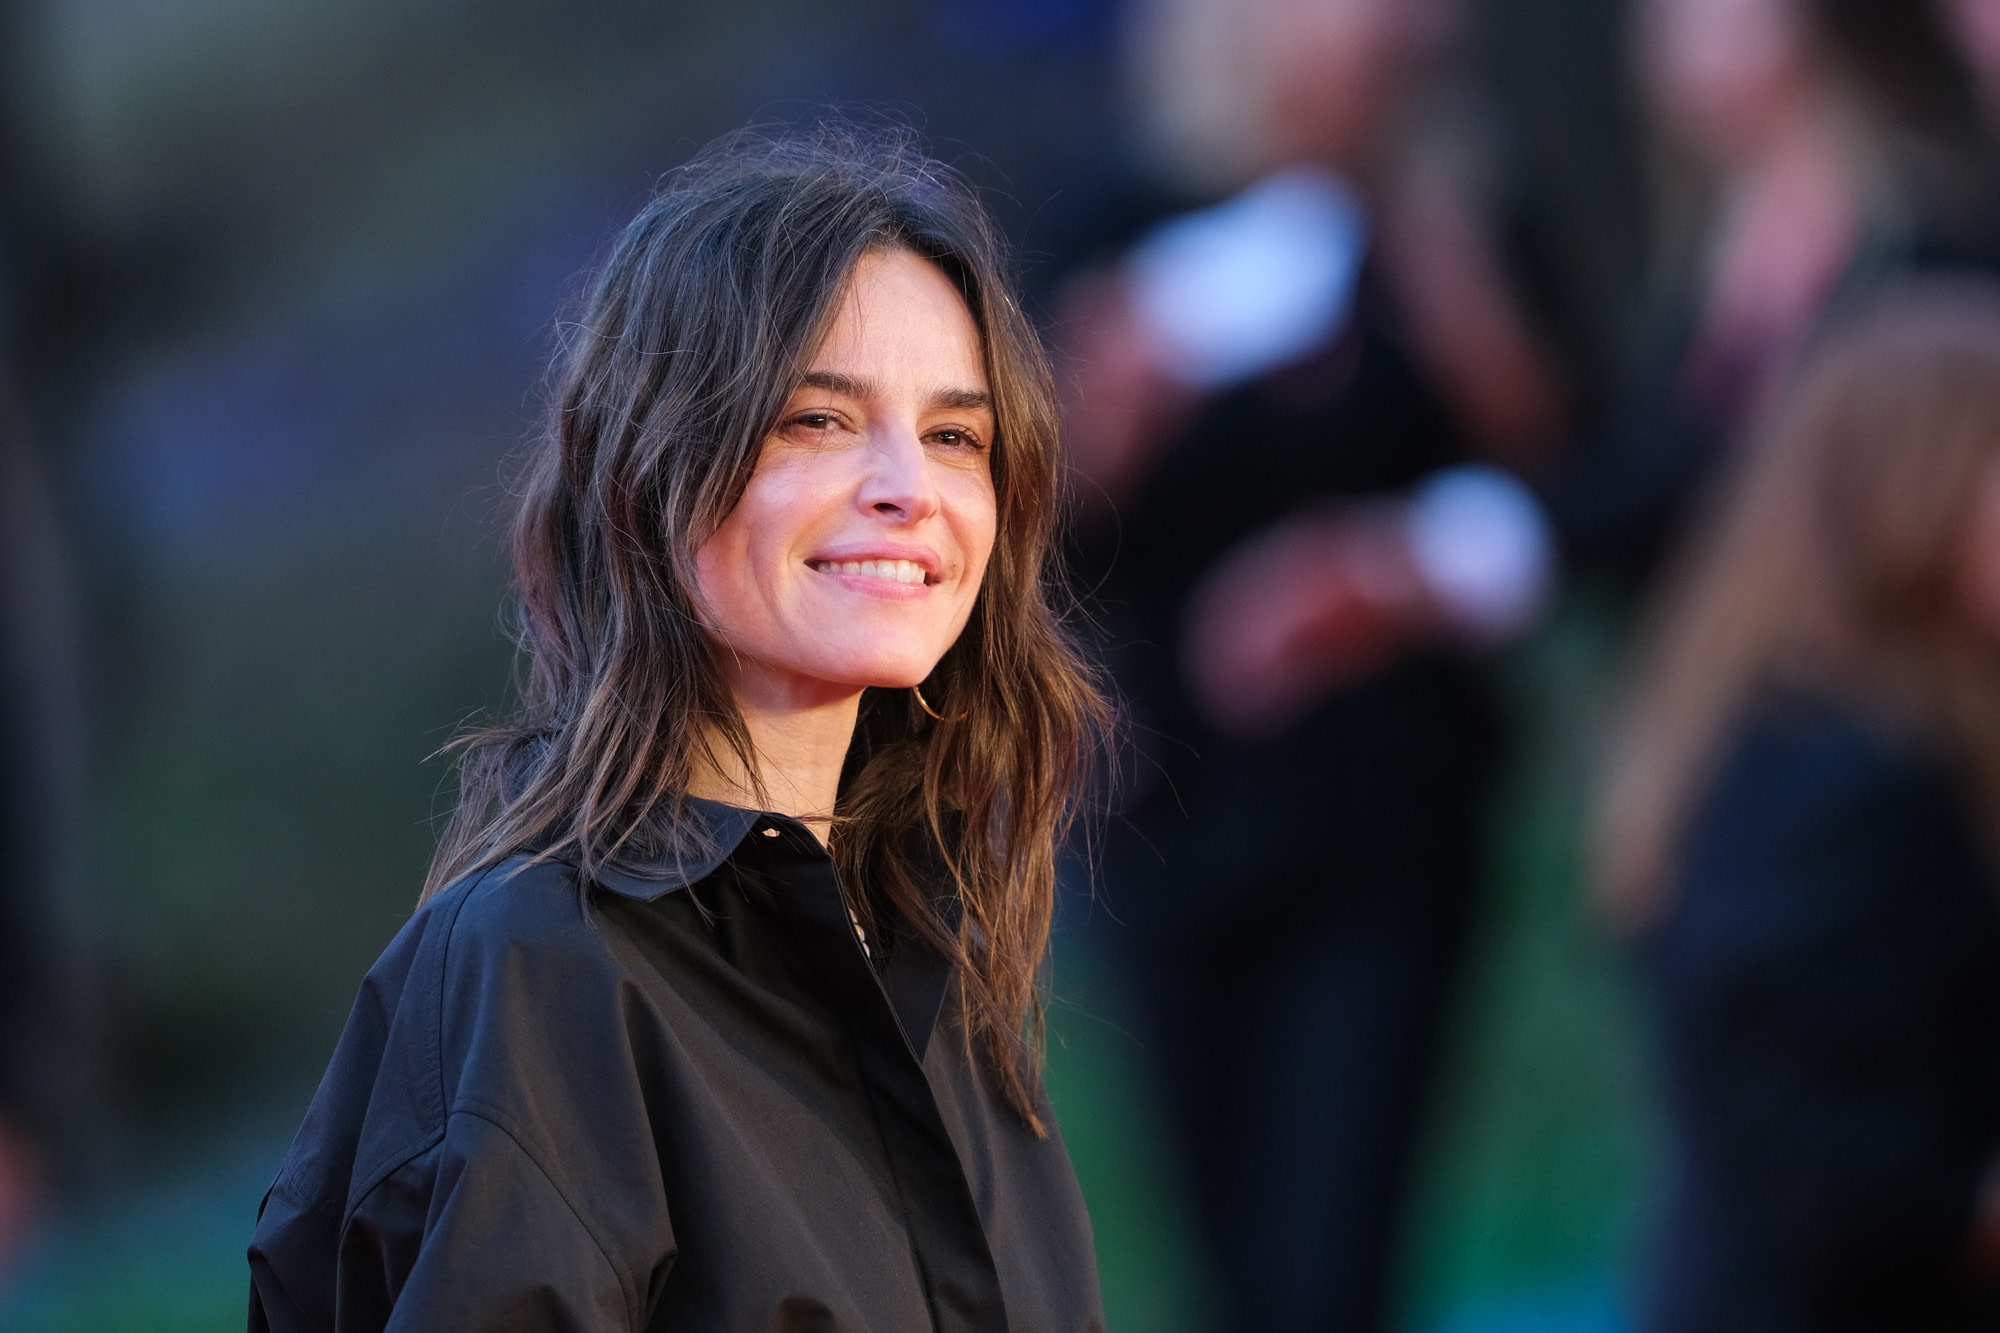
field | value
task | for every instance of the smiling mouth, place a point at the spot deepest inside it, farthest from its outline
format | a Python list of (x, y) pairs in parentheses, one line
[(889, 571)]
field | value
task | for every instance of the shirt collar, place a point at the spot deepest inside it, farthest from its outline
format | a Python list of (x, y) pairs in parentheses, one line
[(912, 980), (721, 829)]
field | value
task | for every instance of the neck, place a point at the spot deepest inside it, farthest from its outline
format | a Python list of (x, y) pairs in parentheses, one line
[(799, 734)]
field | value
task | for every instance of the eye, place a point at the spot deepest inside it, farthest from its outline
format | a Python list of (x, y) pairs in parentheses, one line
[(954, 437), (815, 425)]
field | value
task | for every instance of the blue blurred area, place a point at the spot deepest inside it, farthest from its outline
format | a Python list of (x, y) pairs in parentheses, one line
[(972, 27)]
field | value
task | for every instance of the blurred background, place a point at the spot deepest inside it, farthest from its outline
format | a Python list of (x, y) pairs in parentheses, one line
[(278, 288)]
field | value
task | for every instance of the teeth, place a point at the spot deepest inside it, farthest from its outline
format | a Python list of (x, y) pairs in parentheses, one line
[(892, 571)]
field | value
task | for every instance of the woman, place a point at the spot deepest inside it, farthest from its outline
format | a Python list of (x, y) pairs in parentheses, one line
[(1802, 824), (1813, 149), (719, 1010), (1271, 408)]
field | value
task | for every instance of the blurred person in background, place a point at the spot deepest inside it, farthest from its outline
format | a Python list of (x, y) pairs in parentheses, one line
[(1974, 26), (1284, 414), (1807, 150), (1802, 826), (719, 1010), (31, 785), (45, 1114)]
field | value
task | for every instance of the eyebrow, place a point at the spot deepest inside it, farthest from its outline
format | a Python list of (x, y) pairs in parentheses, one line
[(852, 386)]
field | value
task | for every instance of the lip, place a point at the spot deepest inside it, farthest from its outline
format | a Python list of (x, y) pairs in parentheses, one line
[(922, 556)]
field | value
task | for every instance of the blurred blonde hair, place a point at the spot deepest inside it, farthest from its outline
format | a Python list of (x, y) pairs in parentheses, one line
[(1205, 84), (1194, 91), (1831, 562)]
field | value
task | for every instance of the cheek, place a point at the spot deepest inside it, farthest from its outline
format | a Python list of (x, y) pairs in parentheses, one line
[(732, 565), (760, 532), (716, 584), (975, 512)]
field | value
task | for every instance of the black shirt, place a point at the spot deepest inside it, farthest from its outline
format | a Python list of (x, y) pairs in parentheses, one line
[(675, 1098)]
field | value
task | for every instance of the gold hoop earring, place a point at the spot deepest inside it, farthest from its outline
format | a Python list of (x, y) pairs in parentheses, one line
[(925, 705)]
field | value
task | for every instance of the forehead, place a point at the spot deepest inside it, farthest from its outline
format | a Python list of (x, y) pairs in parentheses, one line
[(898, 312)]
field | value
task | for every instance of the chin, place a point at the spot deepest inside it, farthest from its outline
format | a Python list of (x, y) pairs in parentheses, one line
[(900, 676), (874, 672)]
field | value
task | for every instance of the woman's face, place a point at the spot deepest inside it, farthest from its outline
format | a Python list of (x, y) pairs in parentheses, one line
[(855, 554), (1724, 74), (1337, 71)]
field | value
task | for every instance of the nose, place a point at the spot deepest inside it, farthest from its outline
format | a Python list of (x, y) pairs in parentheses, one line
[(900, 484)]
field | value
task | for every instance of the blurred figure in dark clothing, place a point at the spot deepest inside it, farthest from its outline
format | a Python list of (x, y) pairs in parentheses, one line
[(35, 779), (1809, 149), (38, 743), (1278, 406), (47, 1060), (1803, 823)]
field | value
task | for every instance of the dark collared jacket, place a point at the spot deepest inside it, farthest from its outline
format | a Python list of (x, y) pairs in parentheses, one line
[(669, 1099)]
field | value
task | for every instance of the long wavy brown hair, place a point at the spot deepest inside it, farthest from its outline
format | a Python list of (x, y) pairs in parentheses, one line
[(1833, 563), (695, 331)]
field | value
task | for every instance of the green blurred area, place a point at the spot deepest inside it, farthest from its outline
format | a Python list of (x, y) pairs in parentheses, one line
[(1539, 1157), (262, 829), (1527, 1194)]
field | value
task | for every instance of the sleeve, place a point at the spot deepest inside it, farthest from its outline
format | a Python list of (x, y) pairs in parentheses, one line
[(546, 1189), (480, 1155), (484, 1241), (274, 1308)]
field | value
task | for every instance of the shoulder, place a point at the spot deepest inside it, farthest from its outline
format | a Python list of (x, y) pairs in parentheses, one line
[(501, 999), (519, 900), (498, 966), (523, 924), (526, 962)]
